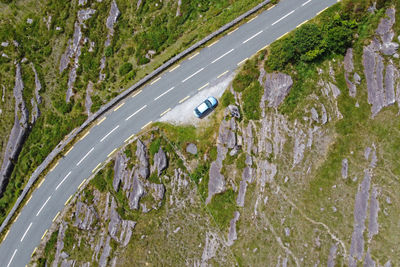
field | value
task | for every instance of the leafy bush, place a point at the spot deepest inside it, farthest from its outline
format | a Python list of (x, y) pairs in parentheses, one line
[(125, 68), (155, 146), (311, 42)]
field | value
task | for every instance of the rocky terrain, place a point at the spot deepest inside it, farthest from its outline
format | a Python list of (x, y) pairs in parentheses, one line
[(317, 187), (61, 61)]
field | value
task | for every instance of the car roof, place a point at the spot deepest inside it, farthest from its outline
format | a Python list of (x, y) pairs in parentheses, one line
[(202, 107)]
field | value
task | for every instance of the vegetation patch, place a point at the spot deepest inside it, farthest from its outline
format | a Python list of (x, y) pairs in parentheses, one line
[(222, 207)]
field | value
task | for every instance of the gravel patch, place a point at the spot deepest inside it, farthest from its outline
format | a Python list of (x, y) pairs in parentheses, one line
[(183, 113)]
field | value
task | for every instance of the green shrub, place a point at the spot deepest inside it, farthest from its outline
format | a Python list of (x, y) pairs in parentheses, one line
[(109, 51), (241, 161), (125, 68), (251, 101), (200, 172), (227, 98), (99, 182), (246, 76)]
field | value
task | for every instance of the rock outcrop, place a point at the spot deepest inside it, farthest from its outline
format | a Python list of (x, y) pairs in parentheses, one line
[(18, 131), (111, 20), (277, 87), (160, 161), (381, 89), (142, 155), (232, 236)]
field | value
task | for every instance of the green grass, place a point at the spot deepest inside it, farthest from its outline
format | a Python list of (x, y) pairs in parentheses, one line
[(222, 207)]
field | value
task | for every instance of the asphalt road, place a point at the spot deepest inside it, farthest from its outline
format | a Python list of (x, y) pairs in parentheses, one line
[(172, 87)]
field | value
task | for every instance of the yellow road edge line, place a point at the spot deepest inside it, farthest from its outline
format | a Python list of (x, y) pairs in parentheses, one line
[(111, 152), (174, 68), (119, 106), (45, 232), (156, 80), (16, 218), (165, 112), (100, 121), (322, 11), (135, 94), (241, 62), (28, 200), (298, 26), (203, 86), (194, 55), (183, 99), (252, 19), (265, 47), (213, 43), (282, 35), (271, 7), (55, 217), (66, 202), (40, 183), (55, 165), (98, 165), (84, 180), (129, 138), (232, 31), (33, 252), (222, 74), (5, 236), (84, 135), (69, 150), (147, 124)]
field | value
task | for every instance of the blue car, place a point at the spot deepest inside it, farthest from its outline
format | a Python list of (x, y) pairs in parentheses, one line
[(206, 107)]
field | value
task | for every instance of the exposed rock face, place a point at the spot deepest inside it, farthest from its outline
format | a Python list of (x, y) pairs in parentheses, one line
[(360, 214), (349, 68), (332, 256), (191, 148), (111, 20), (386, 33), (18, 132), (38, 99), (89, 214), (234, 111), (142, 155), (210, 248), (381, 90), (88, 99), (160, 161), (117, 225), (73, 50), (373, 226), (120, 171), (277, 86), (345, 166), (232, 236), (60, 243), (137, 192), (106, 252)]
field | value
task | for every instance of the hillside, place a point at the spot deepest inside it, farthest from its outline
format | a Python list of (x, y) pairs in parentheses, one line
[(297, 166), (60, 61)]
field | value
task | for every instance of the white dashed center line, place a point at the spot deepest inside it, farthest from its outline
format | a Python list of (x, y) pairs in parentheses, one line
[(63, 180), (87, 154), (136, 112), (43, 206), (215, 60), (12, 257), (164, 93), (252, 37), (306, 3), (104, 138), (288, 14), (26, 232), (192, 75)]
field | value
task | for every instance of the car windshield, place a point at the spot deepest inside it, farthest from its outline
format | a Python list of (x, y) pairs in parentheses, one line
[(202, 107)]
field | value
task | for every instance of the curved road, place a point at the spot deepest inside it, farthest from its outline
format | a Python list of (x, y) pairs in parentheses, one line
[(146, 105)]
